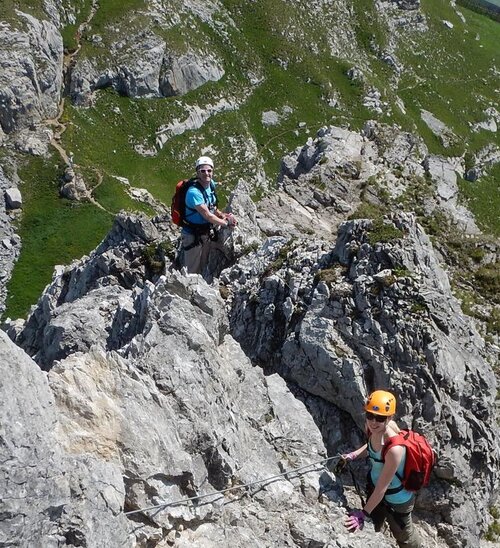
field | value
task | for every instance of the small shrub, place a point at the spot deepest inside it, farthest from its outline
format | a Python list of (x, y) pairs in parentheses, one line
[(402, 272), (493, 533), (366, 211), (488, 279), (469, 161), (418, 308), (382, 232), (327, 275), (154, 255), (251, 248)]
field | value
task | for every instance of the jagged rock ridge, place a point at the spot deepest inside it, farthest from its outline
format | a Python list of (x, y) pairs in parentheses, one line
[(175, 410), (335, 321)]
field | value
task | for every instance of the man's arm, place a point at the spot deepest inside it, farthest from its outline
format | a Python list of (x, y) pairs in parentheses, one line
[(213, 218)]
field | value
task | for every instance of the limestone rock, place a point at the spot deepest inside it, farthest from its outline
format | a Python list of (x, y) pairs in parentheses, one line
[(439, 129), (13, 198), (143, 68), (179, 365), (73, 185), (30, 72), (407, 4), (184, 73), (49, 495), (443, 172), (10, 252), (343, 321)]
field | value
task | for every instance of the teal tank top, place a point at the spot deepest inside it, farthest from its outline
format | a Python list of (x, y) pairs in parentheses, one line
[(377, 464)]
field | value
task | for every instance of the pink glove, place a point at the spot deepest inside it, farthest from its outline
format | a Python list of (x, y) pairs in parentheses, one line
[(355, 521)]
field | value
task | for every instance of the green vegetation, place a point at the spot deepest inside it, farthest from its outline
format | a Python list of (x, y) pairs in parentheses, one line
[(483, 7), (482, 197), (8, 7), (493, 533), (278, 57), (328, 275), (154, 257), (382, 232), (367, 210), (53, 231)]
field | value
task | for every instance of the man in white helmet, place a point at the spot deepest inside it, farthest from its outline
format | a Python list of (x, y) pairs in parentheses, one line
[(201, 217)]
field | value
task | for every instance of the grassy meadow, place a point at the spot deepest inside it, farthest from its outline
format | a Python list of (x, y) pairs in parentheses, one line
[(448, 72)]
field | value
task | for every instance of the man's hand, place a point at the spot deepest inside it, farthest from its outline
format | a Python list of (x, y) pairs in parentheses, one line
[(231, 220)]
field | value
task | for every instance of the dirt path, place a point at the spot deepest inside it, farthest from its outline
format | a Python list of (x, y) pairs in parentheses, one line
[(60, 127)]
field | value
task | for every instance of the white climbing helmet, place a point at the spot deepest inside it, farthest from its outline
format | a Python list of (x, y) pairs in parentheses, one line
[(204, 160)]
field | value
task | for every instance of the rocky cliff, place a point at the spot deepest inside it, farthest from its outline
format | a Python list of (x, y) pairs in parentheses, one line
[(154, 380), (130, 386), (152, 400)]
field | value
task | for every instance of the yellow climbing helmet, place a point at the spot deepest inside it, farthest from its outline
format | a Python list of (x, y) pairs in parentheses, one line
[(381, 402)]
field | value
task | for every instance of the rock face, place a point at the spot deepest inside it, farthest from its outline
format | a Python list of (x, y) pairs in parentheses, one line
[(63, 498), (31, 59), (143, 68), (121, 346), (374, 311), (319, 184), (444, 173), (323, 182), (152, 390), (10, 243)]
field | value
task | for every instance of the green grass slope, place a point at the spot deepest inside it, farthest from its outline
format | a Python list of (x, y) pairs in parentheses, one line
[(278, 55)]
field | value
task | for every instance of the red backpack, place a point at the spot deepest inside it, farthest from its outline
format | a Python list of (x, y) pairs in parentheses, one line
[(420, 458), (178, 206)]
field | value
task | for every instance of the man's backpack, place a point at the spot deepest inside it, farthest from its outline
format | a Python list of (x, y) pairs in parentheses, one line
[(420, 458), (178, 206)]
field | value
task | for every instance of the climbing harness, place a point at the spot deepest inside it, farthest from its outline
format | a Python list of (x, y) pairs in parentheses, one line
[(299, 471)]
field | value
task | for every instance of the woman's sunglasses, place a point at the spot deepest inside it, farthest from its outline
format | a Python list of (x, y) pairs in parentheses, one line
[(372, 417)]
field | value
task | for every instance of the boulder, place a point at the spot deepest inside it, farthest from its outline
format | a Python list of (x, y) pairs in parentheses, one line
[(13, 198), (47, 494)]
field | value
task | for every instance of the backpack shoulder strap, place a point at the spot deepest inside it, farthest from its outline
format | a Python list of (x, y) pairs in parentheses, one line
[(392, 442)]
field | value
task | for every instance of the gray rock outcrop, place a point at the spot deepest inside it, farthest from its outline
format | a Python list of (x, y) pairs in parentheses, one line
[(10, 243), (122, 344), (142, 67), (50, 497), (440, 130), (443, 173), (73, 185), (31, 58), (173, 410), (376, 311)]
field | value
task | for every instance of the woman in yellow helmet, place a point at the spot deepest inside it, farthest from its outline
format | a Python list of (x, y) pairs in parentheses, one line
[(388, 500)]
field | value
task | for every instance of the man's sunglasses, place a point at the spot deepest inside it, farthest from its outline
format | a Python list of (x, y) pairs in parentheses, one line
[(372, 417), (205, 171)]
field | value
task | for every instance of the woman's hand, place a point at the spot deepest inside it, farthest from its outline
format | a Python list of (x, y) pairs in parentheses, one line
[(355, 520)]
